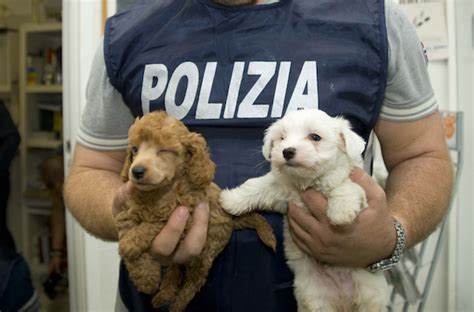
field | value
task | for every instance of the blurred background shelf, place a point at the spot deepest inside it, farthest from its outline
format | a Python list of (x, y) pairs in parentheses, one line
[(42, 27), (44, 89), (40, 125), (43, 143), (5, 89), (39, 211)]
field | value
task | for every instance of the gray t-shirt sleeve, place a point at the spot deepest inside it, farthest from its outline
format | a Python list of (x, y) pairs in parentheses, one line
[(105, 118), (408, 95)]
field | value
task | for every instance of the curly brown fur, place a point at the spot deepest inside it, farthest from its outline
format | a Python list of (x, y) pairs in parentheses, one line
[(170, 167)]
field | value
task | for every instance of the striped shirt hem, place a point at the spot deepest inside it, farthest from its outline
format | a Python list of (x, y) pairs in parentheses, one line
[(409, 113), (101, 143)]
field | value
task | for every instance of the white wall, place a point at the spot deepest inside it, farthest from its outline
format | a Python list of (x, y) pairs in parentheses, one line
[(462, 244), (453, 83), (437, 298), (93, 264)]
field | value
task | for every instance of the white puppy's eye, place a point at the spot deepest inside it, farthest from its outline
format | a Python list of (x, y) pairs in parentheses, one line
[(314, 137), (134, 150)]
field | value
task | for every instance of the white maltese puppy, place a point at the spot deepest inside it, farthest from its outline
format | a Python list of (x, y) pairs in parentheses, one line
[(310, 149)]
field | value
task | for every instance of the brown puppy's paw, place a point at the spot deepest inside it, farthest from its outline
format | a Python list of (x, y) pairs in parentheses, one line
[(128, 249)]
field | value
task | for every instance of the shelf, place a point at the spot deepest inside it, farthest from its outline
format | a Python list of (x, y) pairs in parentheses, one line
[(37, 203), (43, 143), (8, 59), (39, 211), (5, 89), (8, 90), (44, 89), (43, 139), (43, 27), (38, 103)]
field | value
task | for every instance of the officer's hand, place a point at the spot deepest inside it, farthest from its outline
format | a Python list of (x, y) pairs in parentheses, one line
[(166, 246), (369, 239)]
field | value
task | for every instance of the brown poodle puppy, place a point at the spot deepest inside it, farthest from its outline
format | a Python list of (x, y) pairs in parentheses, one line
[(170, 167)]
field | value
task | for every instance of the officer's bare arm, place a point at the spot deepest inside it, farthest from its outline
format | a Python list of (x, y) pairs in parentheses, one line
[(91, 187), (420, 177)]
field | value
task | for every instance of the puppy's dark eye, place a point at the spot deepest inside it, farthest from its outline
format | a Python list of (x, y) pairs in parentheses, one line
[(134, 150), (314, 137)]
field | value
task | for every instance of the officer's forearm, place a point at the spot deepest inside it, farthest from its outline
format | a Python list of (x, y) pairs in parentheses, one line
[(89, 196), (418, 194)]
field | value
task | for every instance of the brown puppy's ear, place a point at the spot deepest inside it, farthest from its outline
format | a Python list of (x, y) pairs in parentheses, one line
[(126, 165), (129, 159), (200, 169)]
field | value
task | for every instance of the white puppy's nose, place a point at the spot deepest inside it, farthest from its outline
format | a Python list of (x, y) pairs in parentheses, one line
[(289, 153)]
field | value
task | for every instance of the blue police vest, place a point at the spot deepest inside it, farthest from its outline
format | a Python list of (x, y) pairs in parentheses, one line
[(229, 72)]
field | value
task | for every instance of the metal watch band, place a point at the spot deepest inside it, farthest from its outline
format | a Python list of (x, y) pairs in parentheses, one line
[(388, 263)]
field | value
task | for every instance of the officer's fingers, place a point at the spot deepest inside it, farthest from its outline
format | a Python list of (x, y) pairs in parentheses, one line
[(316, 203), (166, 241), (195, 239), (299, 236), (306, 221), (300, 244), (372, 189)]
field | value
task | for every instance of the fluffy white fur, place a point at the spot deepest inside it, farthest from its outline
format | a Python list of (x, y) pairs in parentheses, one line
[(325, 150)]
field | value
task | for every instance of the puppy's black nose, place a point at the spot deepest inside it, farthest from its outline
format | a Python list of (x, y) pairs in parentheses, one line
[(138, 172), (289, 153)]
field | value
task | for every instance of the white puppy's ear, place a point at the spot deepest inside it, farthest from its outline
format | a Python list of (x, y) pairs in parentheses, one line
[(271, 134), (267, 144), (352, 144)]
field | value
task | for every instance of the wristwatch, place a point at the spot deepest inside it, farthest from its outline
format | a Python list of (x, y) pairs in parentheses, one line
[(389, 263)]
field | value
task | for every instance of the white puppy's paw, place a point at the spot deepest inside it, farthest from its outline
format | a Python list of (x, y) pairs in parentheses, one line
[(231, 202), (341, 215), (345, 203), (345, 210)]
